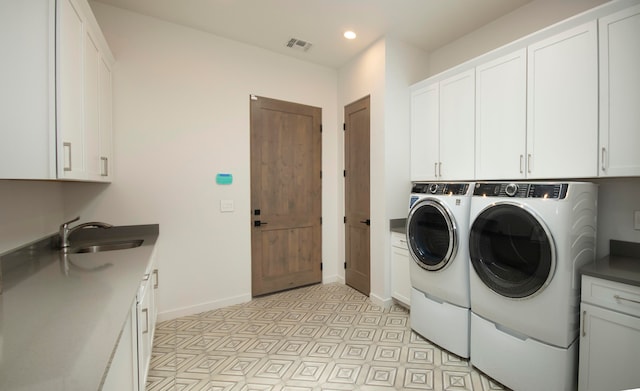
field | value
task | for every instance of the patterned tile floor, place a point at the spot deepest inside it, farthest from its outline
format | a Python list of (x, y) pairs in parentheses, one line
[(318, 338)]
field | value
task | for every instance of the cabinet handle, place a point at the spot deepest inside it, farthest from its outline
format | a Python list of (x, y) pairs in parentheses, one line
[(435, 169), (604, 155), (620, 298), (521, 161), (105, 166), (584, 323), (529, 163), (440, 169), (67, 154), (146, 316), (155, 286)]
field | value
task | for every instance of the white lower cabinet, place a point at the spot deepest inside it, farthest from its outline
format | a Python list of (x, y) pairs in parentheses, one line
[(400, 258), (609, 336), (123, 371), (146, 316), (130, 364)]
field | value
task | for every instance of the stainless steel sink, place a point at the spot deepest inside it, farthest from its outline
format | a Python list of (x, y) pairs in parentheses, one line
[(108, 246)]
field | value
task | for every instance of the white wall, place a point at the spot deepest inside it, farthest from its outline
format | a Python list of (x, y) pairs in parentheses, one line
[(181, 115), (384, 71), (523, 21), (362, 76), (29, 211)]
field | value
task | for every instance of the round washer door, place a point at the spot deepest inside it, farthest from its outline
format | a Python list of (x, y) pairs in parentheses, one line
[(511, 250), (431, 234)]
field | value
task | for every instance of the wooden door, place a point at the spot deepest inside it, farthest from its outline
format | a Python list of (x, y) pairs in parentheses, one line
[(357, 218), (286, 239)]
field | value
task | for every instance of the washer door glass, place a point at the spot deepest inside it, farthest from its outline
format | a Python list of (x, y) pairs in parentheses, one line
[(431, 235), (511, 251)]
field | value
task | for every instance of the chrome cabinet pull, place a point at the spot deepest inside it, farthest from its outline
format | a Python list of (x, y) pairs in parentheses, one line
[(521, 160), (67, 154), (146, 316), (604, 155), (155, 286), (584, 323), (440, 169), (435, 169), (529, 163), (620, 298), (105, 166)]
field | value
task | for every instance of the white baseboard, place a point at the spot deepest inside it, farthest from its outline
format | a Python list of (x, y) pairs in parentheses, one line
[(377, 300), (203, 307)]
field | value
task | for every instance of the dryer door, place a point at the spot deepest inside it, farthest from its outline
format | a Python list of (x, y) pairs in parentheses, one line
[(431, 234), (511, 250)]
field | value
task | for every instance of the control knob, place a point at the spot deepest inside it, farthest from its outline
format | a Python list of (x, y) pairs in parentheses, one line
[(511, 189), (433, 188)]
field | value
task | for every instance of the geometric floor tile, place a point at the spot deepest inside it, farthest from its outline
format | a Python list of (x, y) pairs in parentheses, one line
[(325, 337)]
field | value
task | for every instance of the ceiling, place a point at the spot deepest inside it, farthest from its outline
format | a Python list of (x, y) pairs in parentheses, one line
[(270, 24)]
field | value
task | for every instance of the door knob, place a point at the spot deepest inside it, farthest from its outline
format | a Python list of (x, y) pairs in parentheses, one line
[(367, 222), (258, 223)]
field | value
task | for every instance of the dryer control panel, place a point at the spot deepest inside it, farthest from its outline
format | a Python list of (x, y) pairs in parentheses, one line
[(437, 188), (521, 190)]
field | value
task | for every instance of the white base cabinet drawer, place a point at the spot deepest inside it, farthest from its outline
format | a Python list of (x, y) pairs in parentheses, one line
[(612, 295)]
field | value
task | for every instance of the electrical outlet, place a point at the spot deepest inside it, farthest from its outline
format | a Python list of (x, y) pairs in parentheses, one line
[(636, 220)]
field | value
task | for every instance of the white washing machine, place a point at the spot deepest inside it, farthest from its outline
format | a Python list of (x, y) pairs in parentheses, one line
[(526, 244), (437, 232)]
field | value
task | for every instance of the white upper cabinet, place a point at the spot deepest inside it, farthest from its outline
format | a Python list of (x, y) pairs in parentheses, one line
[(424, 133), (501, 118), (56, 109), (442, 129), (620, 93), (562, 105), (457, 127)]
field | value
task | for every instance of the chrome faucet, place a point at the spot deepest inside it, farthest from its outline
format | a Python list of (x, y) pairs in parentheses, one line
[(65, 231)]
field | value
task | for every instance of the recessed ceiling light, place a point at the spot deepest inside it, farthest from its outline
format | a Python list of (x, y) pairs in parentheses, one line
[(349, 35)]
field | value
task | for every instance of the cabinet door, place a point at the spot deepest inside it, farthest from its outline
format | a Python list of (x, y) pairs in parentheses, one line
[(424, 133), (145, 302), (457, 127), (106, 124), (91, 129), (501, 118), (400, 258), (562, 115), (620, 93), (69, 87), (123, 370), (609, 350)]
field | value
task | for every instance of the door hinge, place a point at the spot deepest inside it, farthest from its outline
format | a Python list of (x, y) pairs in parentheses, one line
[(320, 128), (320, 266), (344, 173), (320, 220), (344, 126), (345, 219), (320, 174), (345, 266)]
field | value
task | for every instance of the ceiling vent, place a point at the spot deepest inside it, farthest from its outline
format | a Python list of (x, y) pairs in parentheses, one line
[(298, 44)]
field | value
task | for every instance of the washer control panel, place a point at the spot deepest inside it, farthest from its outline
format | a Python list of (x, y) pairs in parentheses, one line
[(521, 190), (437, 188)]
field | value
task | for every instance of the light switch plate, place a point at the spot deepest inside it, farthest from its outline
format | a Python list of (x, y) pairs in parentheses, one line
[(226, 205), (636, 220)]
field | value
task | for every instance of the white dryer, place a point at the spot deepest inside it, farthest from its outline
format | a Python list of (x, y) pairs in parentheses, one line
[(526, 244), (437, 232)]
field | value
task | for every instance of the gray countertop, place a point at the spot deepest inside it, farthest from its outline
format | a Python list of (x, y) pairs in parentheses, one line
[(60, 319), (398, 225), (621, 265)]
